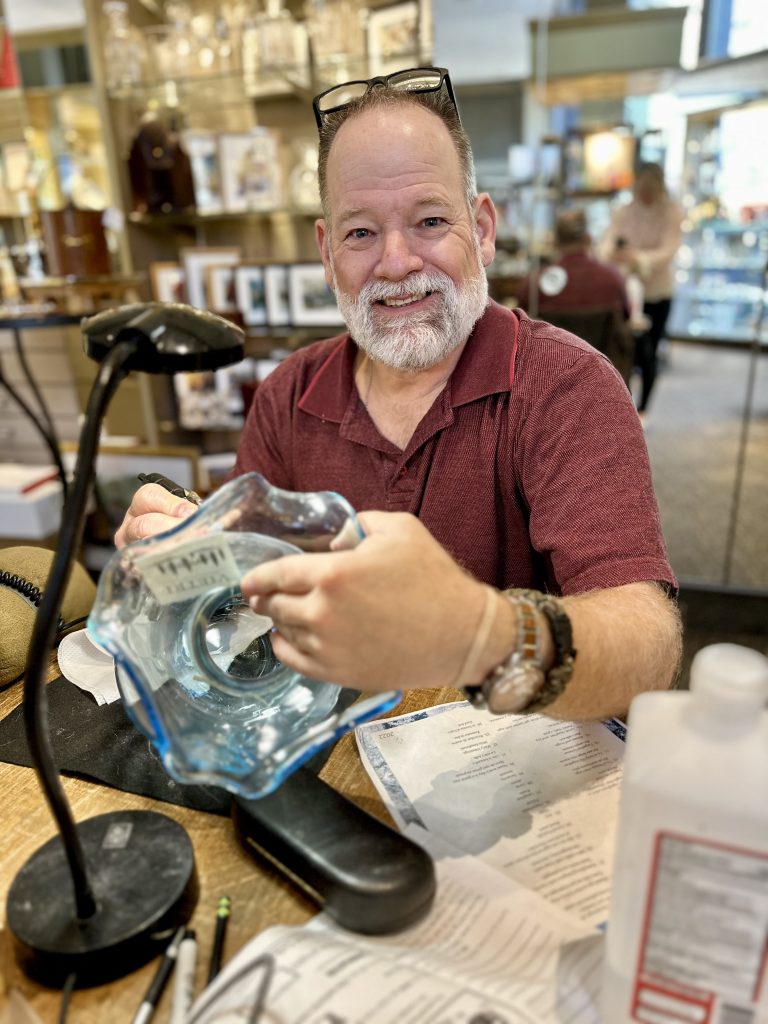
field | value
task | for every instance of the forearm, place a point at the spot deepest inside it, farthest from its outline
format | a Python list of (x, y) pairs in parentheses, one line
[(628, 640)]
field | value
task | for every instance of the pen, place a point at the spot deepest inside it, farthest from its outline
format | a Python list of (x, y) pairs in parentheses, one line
[(160, 980), (222, 917), (184, 978), (170, 486)]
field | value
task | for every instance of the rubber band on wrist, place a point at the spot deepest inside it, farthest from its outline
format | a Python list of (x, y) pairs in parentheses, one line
[(482, 633)]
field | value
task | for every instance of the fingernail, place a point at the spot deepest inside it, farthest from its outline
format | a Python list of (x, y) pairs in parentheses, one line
[(184, 509)]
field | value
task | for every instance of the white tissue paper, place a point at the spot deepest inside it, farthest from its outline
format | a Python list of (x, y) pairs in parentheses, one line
[(88, 666)]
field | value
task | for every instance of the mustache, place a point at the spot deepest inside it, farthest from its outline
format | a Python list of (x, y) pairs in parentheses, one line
[(433, 281)]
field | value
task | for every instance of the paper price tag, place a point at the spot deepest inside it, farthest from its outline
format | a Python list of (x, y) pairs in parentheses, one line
[(189, 569)]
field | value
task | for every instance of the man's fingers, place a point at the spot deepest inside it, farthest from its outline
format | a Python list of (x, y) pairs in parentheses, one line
[(148, 525), (293, 574), (288, 612), (294, 658), (154, 498)]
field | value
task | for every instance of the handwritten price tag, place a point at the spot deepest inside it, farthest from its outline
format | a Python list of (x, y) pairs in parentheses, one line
[(189, 569)]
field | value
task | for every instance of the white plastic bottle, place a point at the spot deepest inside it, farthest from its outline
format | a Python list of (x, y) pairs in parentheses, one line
[(687, 936)]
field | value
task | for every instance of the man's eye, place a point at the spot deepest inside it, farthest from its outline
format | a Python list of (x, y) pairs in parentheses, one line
[(432, 222), (359, 233)]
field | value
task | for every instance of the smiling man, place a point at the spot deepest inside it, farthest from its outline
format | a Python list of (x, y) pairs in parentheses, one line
[(537, 575)]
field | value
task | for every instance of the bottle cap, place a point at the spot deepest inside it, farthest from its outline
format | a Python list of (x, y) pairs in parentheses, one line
[(731, 671)]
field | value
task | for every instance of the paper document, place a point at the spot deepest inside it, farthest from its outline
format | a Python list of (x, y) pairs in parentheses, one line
[(489, 952), (533, 797)]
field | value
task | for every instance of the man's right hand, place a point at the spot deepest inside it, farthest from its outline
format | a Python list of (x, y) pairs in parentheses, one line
[(153, 510)]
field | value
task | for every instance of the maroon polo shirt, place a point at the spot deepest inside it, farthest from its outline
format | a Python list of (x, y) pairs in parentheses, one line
[(589, 284), (530, 467)]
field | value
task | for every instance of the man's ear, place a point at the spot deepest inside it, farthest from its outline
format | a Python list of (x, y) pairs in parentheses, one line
[(485, 225), (321, 237)]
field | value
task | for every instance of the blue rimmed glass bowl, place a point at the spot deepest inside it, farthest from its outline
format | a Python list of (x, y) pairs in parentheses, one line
[(195, 664)]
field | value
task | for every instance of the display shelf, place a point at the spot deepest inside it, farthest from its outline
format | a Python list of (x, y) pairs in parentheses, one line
[(165, 220), (721, 283), (288, 82)]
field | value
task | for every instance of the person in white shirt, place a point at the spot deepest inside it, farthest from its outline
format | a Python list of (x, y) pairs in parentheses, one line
[(643, 239)]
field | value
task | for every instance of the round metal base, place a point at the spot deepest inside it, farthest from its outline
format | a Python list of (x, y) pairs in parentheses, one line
[(142, 870)]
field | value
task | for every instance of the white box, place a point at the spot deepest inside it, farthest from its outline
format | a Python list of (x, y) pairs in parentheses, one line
[(34, 515)]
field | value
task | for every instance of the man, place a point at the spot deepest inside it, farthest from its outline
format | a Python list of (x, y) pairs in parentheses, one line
[(516, 445), (583, 295), (576, 280)]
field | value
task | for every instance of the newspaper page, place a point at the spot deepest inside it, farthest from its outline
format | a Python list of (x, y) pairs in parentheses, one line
[(533, 797), (489, 952)]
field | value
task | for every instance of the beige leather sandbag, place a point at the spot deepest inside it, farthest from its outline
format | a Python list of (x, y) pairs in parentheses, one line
[(25, 569)]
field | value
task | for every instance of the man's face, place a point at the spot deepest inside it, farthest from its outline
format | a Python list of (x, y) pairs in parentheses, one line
[(401, 248)]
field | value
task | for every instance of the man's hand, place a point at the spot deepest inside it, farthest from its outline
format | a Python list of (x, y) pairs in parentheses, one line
[(395, 612), (153, 510)]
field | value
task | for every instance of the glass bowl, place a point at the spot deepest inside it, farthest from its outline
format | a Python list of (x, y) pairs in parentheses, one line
[(195, 664)]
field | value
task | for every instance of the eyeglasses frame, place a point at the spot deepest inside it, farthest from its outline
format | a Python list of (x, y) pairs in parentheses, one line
[(383, 81)]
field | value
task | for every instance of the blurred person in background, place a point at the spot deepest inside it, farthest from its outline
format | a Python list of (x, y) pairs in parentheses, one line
[(642, 239), (582, 295), (576, 279)]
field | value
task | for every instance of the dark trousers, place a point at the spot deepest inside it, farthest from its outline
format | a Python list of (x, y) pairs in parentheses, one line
[(646, 347)]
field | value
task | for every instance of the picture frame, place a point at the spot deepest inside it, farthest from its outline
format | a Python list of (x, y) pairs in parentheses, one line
[(201, 401), (220, 288), (167, 282), (195, 261), (311, 300), (250, 170), (393, 38), (202, 148), (277, 295), (249, 294)]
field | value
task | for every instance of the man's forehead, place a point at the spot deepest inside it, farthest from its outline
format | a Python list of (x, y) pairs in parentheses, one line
[(391, 145), (406, 125)]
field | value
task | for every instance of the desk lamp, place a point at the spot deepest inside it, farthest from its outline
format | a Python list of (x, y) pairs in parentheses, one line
[(101, 898)]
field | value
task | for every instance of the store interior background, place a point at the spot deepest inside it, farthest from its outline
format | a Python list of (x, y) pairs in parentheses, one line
[(538, 84)]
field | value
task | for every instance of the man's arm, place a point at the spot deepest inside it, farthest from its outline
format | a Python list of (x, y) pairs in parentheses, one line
[(399, 612), (628, 640)]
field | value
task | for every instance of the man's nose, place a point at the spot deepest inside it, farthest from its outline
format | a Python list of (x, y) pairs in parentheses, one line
[(398, 257)]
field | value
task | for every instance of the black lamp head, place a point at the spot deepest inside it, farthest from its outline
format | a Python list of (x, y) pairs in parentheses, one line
[(169, 337)]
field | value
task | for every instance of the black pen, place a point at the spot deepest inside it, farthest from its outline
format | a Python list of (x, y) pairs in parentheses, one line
[(222, 917), (160, 980), (176, 489)]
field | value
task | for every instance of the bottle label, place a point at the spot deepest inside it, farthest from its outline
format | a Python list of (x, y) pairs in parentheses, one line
[(704, 950)]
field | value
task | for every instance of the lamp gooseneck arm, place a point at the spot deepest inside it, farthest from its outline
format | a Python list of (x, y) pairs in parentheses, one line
[(109, 375)]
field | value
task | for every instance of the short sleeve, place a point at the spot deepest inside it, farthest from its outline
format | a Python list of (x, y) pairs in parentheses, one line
[(584, 473)]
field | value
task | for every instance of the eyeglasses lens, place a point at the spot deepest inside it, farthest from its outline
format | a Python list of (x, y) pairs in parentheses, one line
[(419, 79), (343, 94)]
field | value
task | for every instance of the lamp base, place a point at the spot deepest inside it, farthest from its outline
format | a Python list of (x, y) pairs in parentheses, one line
[(142, 870)]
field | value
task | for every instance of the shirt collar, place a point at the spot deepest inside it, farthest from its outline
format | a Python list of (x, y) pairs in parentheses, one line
[(486, 366)]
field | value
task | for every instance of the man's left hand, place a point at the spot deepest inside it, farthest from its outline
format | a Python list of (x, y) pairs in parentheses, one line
[(395, 612)]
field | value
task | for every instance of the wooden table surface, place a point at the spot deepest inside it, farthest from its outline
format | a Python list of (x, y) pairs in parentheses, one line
[(259, 896)]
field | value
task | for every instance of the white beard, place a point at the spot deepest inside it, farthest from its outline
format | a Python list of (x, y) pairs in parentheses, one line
[(415, 341)]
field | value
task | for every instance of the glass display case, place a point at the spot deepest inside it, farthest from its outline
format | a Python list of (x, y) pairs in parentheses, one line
[(721, 266), (721, 282)]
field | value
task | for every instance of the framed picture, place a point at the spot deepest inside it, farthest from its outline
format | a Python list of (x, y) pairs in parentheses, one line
[(203, 151), (220, 288), (195, 263), (276, 295), (249, 292), (311, 301), (202, 402), (393, 38), (250, 170), (166, 281)]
